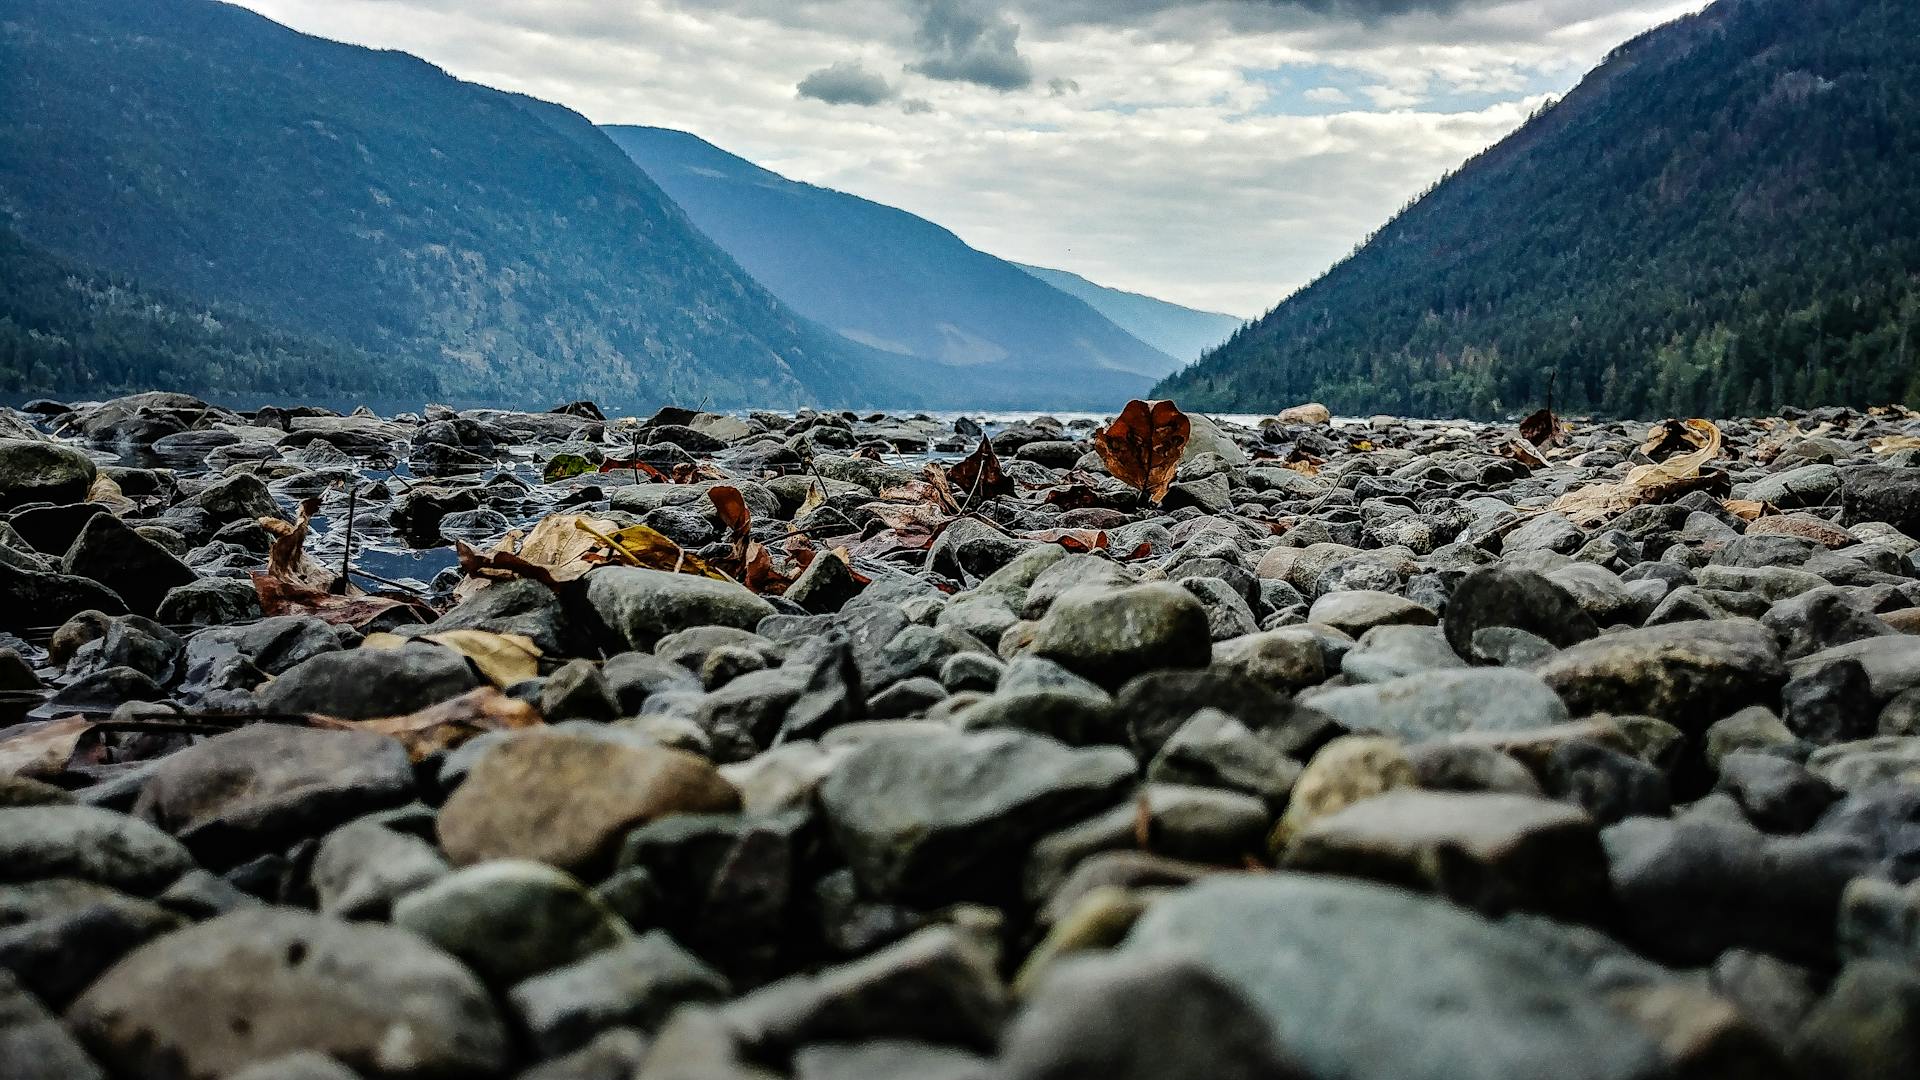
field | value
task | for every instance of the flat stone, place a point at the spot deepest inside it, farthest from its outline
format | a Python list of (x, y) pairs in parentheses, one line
[(1367, 982), (631, 985), (1445, 702), (567, 801), (1490, 852), (255, 985), (1110, 635), (364, 684), (264, 786), (1688, 674)]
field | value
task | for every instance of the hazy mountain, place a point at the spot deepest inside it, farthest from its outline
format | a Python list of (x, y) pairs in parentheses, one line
[(970, 328), (408, 224), (1720, 219), (1181, 332)]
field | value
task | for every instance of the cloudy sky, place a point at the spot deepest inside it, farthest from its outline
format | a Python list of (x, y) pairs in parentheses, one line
[(1219, 153)]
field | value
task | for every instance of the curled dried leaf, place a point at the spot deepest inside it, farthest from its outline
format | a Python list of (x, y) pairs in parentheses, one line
[(280, 597), (1142, 446), (41, 751), (1660, 482), (443, 727), (977, 477)]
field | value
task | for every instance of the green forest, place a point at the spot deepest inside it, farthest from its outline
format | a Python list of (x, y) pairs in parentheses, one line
[(1722, 219)]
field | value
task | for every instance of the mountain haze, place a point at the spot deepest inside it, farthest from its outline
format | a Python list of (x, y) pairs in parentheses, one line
[(970, 329), (1720, 219), (1181, 332), (405, 223)]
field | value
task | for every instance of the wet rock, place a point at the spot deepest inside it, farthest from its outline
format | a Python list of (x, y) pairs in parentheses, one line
[(209, 602), (519, 606), (252, 986), (32, 471)]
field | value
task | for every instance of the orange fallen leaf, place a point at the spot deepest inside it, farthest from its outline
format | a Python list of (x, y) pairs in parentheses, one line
[(1142, 446), (41, 751), (977, 476)]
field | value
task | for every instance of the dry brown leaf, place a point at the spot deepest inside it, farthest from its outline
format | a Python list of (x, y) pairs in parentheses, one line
[(1744, 509), (106, 492), (732, 509), (443, 727), (942, 490), (41, 751), (1675, 476), (639, 545), (1523, 452), (1142, 446), (1075, 540), (977, 477), (288, 560), (279, 597), (1542, 428), (1893, 444), (504, 659)]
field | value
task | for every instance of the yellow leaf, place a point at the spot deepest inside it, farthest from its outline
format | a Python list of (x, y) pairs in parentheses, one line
[(1893, 444), (647, 547), (504, 659)]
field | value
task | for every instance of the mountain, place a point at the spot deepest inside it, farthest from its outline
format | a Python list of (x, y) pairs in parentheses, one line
[(1181, 332), (402, 223), (971, 329), (1719, 220)]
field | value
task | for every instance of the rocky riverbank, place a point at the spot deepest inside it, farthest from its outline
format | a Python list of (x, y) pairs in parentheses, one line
[(850, 748)]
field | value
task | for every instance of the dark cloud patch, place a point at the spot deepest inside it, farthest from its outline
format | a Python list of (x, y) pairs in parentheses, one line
[(967, 41), (1062, 87), (916, 106), (1241, 13), (846, 83)]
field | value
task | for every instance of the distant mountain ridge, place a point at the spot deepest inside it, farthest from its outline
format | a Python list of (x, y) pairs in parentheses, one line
[(968, 329), (378, 211), (1181, 332), (1719, 220)]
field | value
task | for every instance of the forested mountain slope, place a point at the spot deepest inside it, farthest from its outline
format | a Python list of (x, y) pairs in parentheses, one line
[(419, 226), (1720, 219)]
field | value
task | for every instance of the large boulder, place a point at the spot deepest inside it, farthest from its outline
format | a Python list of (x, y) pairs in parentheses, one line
[(257, 984), (34, 471), (139, 570)]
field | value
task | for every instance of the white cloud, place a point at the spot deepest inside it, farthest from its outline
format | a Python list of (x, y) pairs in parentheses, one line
[(1142, 143)]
